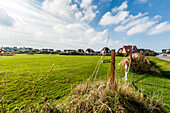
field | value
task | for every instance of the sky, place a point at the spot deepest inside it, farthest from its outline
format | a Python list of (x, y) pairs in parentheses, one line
[(74, 24)]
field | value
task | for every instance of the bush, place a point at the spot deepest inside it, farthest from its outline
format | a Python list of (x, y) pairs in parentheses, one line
[(71, 53), (53, 52), (122, 54), (64, 53), (43, 52), (8, 54), (119, 54), (126, 54), (30, 53), (149, 54)]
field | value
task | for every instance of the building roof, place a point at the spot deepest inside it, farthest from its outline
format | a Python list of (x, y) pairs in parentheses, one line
[(90, 50), (105, 50), (81, 50)]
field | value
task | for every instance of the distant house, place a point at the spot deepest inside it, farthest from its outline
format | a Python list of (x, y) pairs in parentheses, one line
[(141, 50), (50, 50), (146, 51), (105, 50), (69, 50), (46, 50), (165, 50), (28, 49), (81, 50), (7, 48), (126, 49), (89, 51), (120, 50), (36, 50)]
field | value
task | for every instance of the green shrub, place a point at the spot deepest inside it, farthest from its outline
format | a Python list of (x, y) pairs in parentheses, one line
[(122, 54), (30, 53), (126, 54), (149, 54), (71, 53), (119, 54), (9, 54)]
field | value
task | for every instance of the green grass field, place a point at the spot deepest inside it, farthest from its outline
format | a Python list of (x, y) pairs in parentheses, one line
[(27, 78)]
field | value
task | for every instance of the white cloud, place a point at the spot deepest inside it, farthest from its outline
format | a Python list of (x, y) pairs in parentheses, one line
[(140, 28), (139, 23), (160, 28), (109, 18), (157, 17), (59, 7), (122, 28), (54, 24), (99, 38), (131, 17), (142, 1), (120, 8), (89, 14), (85, 3)]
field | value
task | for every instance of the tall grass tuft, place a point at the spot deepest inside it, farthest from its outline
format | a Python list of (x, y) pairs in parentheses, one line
[(103, 97)]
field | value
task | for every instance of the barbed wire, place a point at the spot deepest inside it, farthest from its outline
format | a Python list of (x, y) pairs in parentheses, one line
[(96, 70)]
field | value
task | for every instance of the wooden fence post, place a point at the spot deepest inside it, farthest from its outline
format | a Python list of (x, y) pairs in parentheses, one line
[(112, 66), (131, 55)]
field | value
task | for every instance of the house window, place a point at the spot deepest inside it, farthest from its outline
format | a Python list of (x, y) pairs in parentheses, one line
[(128, 50)]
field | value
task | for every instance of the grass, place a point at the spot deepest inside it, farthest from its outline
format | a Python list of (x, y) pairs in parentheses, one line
[(26, 79)]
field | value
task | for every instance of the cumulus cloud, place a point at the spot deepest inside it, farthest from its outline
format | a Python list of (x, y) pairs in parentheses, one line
[(109, 18), (134, 24)]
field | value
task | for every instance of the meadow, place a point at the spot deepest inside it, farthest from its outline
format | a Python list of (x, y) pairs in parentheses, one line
[(26, 79)]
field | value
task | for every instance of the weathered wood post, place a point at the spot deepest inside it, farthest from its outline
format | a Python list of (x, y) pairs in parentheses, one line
[(112, 66), (131, 55)]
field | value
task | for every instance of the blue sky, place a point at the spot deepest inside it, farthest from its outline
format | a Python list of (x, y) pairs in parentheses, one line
[(73, 24)]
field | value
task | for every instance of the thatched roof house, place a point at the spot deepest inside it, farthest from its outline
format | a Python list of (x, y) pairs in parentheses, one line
[(105, 50), (126, 49), (89, 51), (81, 50)]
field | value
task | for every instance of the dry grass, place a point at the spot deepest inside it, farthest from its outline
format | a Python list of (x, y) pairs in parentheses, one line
[(102, 97), (140, 64)]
